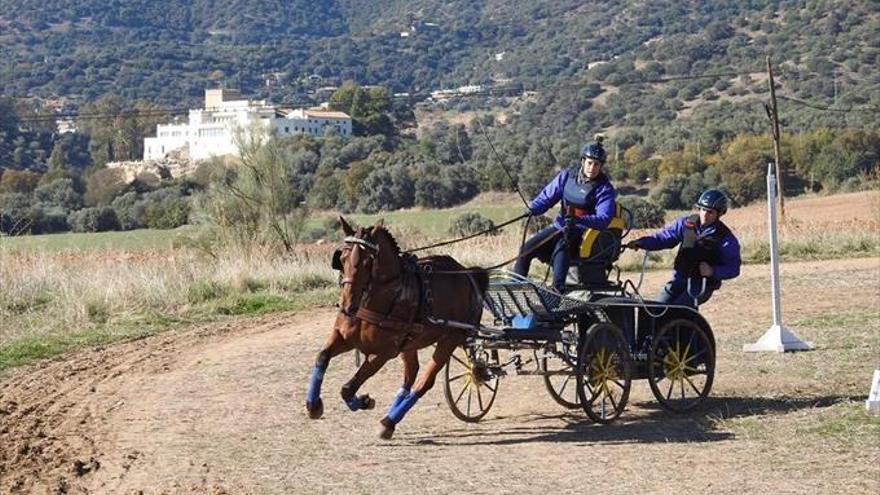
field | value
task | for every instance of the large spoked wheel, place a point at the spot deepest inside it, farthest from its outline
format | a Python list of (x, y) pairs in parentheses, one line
[(470, 386), (681, 366), (559, 376), (604, 373)]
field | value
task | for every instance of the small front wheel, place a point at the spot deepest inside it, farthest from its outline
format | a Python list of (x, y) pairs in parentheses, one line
[(603, 372), (470, 386)]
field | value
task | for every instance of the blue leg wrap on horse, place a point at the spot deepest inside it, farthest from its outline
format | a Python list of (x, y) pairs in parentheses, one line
[(355, 403), (315, 385), (401, 394), (397, 412)]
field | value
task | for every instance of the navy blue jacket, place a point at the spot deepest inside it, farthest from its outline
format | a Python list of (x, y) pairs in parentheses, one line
[(600, 201), (728, 255)]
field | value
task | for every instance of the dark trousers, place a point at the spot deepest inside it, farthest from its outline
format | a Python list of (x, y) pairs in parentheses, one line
[(556, 252), (676, 291)]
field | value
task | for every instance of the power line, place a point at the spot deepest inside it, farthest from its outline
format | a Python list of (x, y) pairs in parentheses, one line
[(498, 91), (829, 109)]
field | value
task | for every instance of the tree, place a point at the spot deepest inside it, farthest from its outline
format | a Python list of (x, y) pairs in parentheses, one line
[(539, 166), (743, 165), (253, 204), (116, 132), (60, 193), (103, 185), (99, 219), (19, 181)]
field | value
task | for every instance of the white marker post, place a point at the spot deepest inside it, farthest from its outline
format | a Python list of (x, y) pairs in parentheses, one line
[(777, 338), (873, 402)]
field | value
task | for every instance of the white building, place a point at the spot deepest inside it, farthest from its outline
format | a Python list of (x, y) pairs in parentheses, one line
[(211, 131)]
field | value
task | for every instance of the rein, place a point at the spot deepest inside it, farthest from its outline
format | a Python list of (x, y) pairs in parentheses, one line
[(499, 265), (471, 236)]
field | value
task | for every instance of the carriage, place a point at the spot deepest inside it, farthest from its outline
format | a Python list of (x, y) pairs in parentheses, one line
[(588, 343)]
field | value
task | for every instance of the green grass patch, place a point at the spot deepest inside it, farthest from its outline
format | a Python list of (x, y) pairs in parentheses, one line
[(29, 349), (856, 245), (849, 319), (253, 304), (205, 290), (25, 305), (847, 423), (107, 329), (132, 240)]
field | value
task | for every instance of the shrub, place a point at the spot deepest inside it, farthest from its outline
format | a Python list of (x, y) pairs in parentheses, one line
[(99, 219), (130, 211), (645, 213), (471, 223), (61, 193), (667, 193), (19, 181), (104, 185)]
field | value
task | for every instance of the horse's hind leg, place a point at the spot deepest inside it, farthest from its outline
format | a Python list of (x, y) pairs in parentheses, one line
[(369, 367), (410, 370), (425, 381), (334, 346)]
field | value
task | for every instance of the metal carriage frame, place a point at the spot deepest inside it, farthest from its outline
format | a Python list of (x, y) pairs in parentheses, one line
[(588, 345)]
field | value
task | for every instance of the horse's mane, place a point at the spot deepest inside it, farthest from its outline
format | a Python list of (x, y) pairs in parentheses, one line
[(383, 232)]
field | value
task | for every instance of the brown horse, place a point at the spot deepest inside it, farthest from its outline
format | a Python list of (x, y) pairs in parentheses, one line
[(394, 304)]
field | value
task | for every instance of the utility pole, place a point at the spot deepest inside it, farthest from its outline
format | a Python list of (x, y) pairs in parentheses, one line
[(773, 114)]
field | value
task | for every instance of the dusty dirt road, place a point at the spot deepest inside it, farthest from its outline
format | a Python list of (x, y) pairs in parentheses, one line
[(219, 409)]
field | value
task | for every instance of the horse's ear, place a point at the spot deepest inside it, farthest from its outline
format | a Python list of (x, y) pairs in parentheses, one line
[(346, 228), (380, 223)]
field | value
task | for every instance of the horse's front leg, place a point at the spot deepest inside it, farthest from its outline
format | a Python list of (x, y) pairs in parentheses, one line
[(372, 363), (334, 346), (425, 381)]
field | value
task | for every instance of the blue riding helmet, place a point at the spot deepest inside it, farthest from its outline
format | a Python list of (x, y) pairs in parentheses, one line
[(714, 199), (594, 151)]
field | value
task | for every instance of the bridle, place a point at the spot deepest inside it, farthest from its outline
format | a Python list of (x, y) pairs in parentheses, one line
[(351, 240), (371, 249)]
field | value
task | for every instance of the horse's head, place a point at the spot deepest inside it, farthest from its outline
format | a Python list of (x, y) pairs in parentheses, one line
[(367, 255)]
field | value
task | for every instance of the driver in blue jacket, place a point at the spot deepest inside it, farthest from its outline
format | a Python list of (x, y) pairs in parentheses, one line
[(587, 201), (707, 250)]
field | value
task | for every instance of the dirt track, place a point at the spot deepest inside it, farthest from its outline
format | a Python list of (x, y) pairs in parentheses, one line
[(219, 409)]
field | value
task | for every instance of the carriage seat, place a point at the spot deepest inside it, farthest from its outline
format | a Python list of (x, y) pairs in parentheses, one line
[(598, 251)]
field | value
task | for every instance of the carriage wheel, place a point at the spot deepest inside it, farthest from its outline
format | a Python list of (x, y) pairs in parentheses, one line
[(470, 387), (560, 378), (682, 365), (604, 373)]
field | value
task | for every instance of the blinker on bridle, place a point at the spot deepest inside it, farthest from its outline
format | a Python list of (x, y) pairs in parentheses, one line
[(337, 255), (363, 242)]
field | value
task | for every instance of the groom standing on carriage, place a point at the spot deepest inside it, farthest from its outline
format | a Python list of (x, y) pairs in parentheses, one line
[(708, 251)]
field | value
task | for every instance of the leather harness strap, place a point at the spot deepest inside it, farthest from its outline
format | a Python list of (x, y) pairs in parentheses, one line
[(383, 321)]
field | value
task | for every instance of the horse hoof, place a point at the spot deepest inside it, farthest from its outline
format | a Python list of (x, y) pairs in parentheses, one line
[(387, 430), (315, 410), (367, 402)]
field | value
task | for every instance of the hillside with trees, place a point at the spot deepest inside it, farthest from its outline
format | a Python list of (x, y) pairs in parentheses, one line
[(679, 91)]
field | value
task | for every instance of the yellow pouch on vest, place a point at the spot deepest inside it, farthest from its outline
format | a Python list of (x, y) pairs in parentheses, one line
[(616, 225)]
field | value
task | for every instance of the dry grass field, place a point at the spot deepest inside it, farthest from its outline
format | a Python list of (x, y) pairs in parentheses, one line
[(214, 404)]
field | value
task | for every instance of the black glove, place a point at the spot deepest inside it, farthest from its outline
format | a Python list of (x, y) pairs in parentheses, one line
[(634, 245)]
